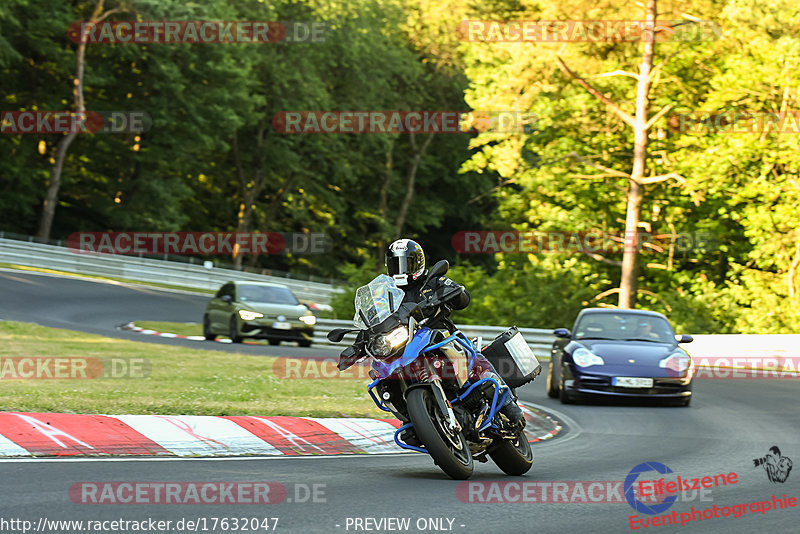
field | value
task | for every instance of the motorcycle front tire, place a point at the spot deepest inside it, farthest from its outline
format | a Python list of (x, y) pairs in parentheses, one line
[(423, 410), (514, 457)]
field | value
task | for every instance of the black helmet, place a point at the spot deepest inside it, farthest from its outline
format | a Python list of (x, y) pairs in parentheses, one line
[(405, 261)]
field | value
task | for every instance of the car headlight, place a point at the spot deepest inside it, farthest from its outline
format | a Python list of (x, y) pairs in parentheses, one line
[(310, 320), (383, 345), (585, 358), (248, 315), (678, 361)]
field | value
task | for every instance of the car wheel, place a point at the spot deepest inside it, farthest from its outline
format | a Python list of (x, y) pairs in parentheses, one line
[(552, 381), (274, 341), (207, 329), (563, 396), (233, 330), (685, 401)]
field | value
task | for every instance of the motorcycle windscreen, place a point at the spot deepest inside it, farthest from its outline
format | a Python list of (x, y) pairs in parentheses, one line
[(376, 301)]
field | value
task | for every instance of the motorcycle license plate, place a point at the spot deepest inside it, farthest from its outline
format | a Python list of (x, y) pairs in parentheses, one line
[(632, 382), (281, 326)]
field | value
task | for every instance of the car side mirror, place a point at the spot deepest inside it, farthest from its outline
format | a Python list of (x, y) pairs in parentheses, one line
[(561, 332), (226, 298), (685, 338), (337, 334)]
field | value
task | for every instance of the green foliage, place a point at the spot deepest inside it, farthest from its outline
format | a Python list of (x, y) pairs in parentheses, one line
[(212, 160)]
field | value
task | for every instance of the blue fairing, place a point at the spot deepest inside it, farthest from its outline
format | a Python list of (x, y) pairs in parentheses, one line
[(421, 339)]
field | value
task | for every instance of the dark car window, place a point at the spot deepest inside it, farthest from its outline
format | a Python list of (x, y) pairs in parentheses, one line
[(624, 326), (227, 289), (273, 295)]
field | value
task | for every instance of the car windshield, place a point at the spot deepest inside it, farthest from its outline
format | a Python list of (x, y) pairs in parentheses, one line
[(376, 301), (624, 326), (266, 294)]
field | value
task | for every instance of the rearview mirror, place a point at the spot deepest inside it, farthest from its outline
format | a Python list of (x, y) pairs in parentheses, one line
[(685, 338), (439, 269), (337, 334), (561, 332)]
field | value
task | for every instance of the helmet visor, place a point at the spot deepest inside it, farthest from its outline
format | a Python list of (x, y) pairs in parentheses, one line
[(397, 265)]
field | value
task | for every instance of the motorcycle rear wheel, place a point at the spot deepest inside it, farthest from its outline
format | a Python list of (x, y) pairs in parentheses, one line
[(449, 450), (514, 457)]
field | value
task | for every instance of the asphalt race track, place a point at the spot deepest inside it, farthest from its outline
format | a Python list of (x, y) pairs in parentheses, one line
[(729, 423), (98, 307)]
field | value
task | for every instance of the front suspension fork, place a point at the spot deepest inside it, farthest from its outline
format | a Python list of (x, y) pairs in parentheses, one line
[(438, 393)]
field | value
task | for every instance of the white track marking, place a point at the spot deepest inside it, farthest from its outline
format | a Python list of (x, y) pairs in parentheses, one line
[(369, 435), (9, 448), (194, 435)]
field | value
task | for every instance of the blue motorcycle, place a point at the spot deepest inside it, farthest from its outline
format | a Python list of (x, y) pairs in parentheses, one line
[(422, 376)]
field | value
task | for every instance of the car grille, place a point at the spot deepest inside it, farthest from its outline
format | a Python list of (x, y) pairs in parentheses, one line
[(660, 386)]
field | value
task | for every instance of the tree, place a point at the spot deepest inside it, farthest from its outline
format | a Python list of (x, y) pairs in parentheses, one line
[(79, 103), (641, 126)]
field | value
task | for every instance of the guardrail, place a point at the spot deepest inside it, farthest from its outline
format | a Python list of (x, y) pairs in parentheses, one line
[(539, 340), (31, 254)]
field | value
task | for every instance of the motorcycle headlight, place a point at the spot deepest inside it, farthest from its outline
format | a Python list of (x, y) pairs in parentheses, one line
[(383, 345), (310, 320), (248, 315), (584, 358), (678, 361)]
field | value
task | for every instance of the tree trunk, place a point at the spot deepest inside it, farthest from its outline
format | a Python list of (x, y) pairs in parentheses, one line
[(248, 193), (51, 197), (411, 176), (383, 205), (54, 185), (630, 256)]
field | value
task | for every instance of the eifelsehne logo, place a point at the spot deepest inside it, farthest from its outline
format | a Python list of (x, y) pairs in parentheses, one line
[(661, 487), (636, 504), (777, 467)]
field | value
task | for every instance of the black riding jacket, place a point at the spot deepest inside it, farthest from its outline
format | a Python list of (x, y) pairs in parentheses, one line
[(457, 299)]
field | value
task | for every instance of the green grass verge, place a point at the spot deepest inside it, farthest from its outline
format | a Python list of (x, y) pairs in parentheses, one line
[(182, 381), (188, 329), (182, 329), (108, 278)]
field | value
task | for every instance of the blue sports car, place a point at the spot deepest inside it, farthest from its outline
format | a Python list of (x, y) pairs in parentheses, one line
[(620, 353)]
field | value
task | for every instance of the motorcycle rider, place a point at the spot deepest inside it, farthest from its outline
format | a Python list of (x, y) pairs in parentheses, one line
[(405, 263)]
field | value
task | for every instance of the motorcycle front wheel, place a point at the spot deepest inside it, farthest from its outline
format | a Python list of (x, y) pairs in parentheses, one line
[(514, 457), (448, 449)]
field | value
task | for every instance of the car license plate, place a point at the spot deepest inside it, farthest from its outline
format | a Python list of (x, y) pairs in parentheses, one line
[(632, 382), (281, 326)]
